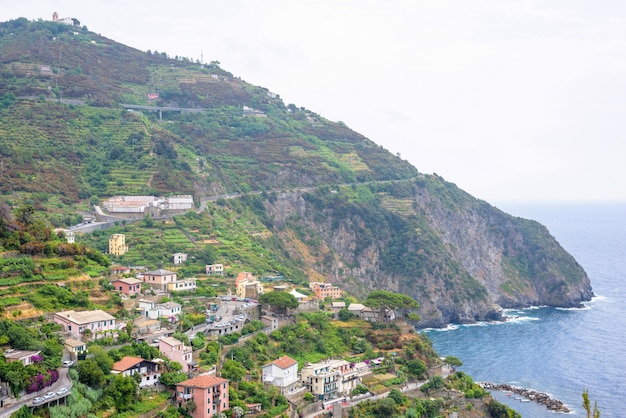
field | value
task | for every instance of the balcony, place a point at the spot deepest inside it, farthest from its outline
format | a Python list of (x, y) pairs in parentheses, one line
[(185, 396)]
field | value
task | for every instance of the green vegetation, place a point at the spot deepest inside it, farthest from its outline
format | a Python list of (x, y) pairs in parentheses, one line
[(591, 413)]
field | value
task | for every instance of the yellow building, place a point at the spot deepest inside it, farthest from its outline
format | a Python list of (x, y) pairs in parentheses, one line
[(117, 245)]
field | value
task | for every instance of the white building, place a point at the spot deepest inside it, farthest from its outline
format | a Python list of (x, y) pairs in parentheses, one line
[(153, 310), (179, 258), (282, 373)]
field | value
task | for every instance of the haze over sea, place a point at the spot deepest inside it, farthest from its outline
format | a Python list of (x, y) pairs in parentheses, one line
[(557, 351)]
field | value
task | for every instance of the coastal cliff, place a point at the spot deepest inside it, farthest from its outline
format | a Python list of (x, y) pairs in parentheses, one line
[(461, 258)]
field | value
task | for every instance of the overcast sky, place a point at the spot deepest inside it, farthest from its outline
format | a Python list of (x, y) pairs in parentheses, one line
[(511, 100)]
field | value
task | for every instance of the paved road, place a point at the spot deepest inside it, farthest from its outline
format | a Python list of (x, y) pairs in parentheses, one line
[(64, 381)]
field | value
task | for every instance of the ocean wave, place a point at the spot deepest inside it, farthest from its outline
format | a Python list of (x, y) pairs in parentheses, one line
[(520, 318), (582, 308)]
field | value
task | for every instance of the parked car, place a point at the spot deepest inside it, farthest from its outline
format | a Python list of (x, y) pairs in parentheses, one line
[(38, 400), (49, 395), (68, 363), (62, 391)]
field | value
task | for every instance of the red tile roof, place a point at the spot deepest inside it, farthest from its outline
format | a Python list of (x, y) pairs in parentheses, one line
[(126, 363), (284, 362), (203, 382)]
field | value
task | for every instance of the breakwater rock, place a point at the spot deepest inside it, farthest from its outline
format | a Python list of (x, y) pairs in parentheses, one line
[(529, 394)]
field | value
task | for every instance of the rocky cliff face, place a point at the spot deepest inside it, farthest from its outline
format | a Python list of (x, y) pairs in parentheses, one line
[(462, 259)]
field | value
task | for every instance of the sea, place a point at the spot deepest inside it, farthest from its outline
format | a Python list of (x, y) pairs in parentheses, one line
[(561, 352)]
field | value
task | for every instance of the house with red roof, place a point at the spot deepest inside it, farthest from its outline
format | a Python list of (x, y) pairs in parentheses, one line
[(282, 373), (150, 370), (209, 393)]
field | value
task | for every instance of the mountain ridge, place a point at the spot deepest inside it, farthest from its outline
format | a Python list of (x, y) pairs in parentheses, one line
[(343, 208)]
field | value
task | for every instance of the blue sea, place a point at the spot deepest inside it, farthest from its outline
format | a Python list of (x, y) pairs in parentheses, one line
[(560, 351)]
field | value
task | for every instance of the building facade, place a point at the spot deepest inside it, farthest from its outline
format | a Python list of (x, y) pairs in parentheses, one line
[(158, 279), (282, 373), (86, 324), (209, 393), (325, 290), (150, 370), (127, 286), (117, 245), (215, 269), (179, 258), (189, 285), (175, 350)]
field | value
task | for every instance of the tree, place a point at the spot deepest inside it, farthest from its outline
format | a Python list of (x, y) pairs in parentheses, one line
[(416, 367), (171, 379), (279, 301), (595, 413), (452, 361), (90, 373), (434, 383), (122, 390), (233, 370), (384, 300)]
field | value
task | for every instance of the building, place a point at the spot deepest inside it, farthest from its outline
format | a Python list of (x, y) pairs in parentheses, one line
[(337, 306), (178, 202), (301, 298), (152, 310), (26, 357), (183, 285), (179, 258), (120, 270), (374, 315), (331, 378), (117, 245), (150, 370), (75, 348), (325, 290), (282, 373), (321, 379), (209, 393), (70, 236), (248, 286), (127, 285), (86, 324), (159, 279), (270, 322), (140, 205), (215, 269), (177, 351), (356, 308)]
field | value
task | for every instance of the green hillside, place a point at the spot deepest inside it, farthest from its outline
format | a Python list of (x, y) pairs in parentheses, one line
[(83, 118)]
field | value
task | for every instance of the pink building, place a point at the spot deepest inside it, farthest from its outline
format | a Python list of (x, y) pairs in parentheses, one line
[(209, 393), (176, 351), (128, 286), (97, 324), (26, 357), (159, 279)]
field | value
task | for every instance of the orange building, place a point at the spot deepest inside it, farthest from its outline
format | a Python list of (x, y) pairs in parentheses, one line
[(325, 290)]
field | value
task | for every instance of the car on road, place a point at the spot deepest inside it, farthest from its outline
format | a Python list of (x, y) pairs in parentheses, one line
[(68, 363), (38, 400), (49, 395), (62, 391)]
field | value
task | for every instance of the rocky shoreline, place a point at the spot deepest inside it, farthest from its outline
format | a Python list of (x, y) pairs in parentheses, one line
[(530, 394)]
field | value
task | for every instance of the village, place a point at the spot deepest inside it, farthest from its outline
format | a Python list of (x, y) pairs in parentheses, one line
[(149, 295)]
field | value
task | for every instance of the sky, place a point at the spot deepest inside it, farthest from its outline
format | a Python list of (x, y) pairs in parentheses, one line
[(511, 100)]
